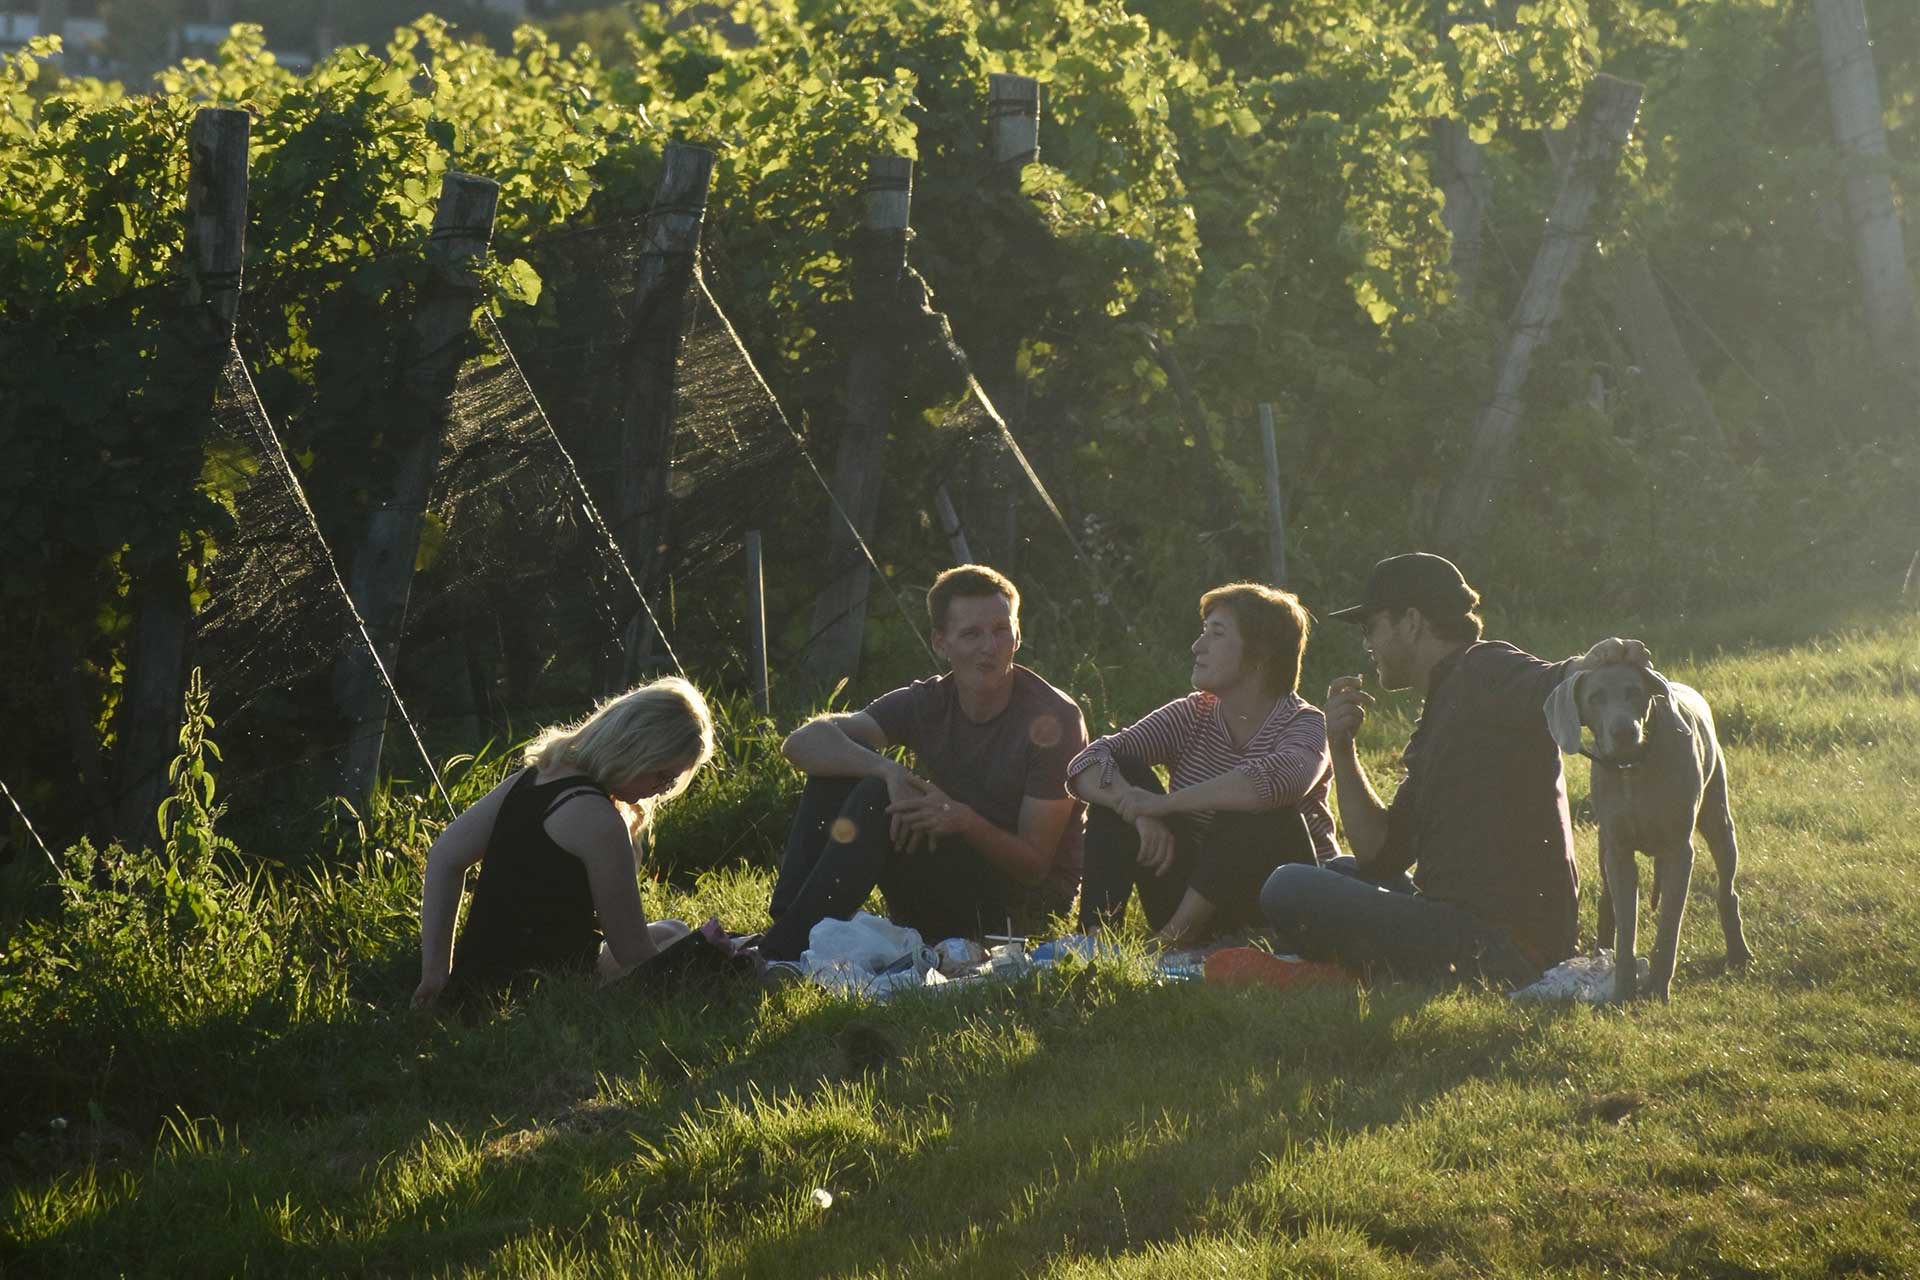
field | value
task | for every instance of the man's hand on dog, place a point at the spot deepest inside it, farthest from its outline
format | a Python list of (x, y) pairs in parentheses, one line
[(1346, 710), (1612, 649)]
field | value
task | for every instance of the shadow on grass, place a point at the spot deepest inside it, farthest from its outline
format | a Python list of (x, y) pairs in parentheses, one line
[(1078, 1111), (1150, 1111)]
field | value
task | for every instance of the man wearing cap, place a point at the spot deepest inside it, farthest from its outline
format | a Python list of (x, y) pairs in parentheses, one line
[(1482, 812)]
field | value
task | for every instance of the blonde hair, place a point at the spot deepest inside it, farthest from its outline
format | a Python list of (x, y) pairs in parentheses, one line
[(663, 724)]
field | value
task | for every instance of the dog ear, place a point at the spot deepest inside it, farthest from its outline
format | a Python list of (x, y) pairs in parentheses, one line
[(1563, 714), (1663, 702)]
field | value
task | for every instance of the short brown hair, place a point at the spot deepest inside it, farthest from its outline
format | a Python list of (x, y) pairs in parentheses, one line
[(1463, 628), (968, 580), (1275, 627)]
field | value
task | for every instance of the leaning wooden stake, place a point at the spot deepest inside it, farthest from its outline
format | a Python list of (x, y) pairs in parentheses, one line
[(880, 263), (1642, 319), (382, 574), (1276, 509), (1606, 121), (950, 526), (149, 719), (650, 378)]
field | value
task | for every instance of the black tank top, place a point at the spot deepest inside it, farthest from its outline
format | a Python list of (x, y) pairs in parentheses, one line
[(533, 907)]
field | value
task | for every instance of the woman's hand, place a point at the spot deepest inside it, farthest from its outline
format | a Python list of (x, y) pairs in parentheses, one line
[(1138, 802), (1156, 844)]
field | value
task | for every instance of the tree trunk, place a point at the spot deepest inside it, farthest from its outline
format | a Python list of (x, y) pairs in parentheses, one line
[(650, 380), (1606, 121), (1879, 246), (382, 574), (148, 722), (880, 263)]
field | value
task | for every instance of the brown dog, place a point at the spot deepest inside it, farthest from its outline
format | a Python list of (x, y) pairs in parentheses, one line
[(1658, 774)]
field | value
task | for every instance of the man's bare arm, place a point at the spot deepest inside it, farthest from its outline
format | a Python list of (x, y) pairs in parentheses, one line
[(849, 746), (840, 746), (1362, 816)]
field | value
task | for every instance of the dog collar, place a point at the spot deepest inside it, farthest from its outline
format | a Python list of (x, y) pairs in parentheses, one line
[(1633, 763)]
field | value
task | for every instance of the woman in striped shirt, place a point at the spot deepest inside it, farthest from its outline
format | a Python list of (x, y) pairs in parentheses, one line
[(1249, 771)]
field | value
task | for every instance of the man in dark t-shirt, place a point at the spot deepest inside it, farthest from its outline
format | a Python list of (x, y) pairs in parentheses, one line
[(984, 833), (1482, 812)]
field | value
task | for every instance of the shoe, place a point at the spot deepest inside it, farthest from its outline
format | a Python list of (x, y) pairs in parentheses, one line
[(781, 973), (1250, 966)]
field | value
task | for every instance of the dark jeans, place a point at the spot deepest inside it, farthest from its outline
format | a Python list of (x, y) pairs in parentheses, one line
[(1334, 913), (1225, 862), (839, 849)]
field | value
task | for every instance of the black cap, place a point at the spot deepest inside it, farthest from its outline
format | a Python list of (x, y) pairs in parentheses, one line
[(1416, 580)]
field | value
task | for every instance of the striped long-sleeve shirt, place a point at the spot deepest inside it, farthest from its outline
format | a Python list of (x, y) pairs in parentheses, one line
[(1287, 756)]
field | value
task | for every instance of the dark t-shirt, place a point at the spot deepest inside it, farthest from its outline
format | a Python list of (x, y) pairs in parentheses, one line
[(533, 906), (1482, 814), (992, 767)]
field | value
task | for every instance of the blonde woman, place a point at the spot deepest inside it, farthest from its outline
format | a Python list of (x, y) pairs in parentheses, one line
[(558, 886)]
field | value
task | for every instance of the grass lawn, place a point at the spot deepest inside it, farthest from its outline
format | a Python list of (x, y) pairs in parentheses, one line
[(1079, 1123)]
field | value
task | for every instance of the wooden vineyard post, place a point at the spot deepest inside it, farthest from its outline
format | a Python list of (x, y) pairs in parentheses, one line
[(149, 718), (1873, 219), (382, 574), (1276, 510), (1460, 171), (1606, 122), (1460, 166), (880, 263), (650, 377), (324, 31), (51, 18), (993, 509), (757, 621)]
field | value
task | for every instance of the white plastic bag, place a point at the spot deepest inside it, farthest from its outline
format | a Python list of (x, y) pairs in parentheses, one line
[(1588, 979), (866, 954)]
